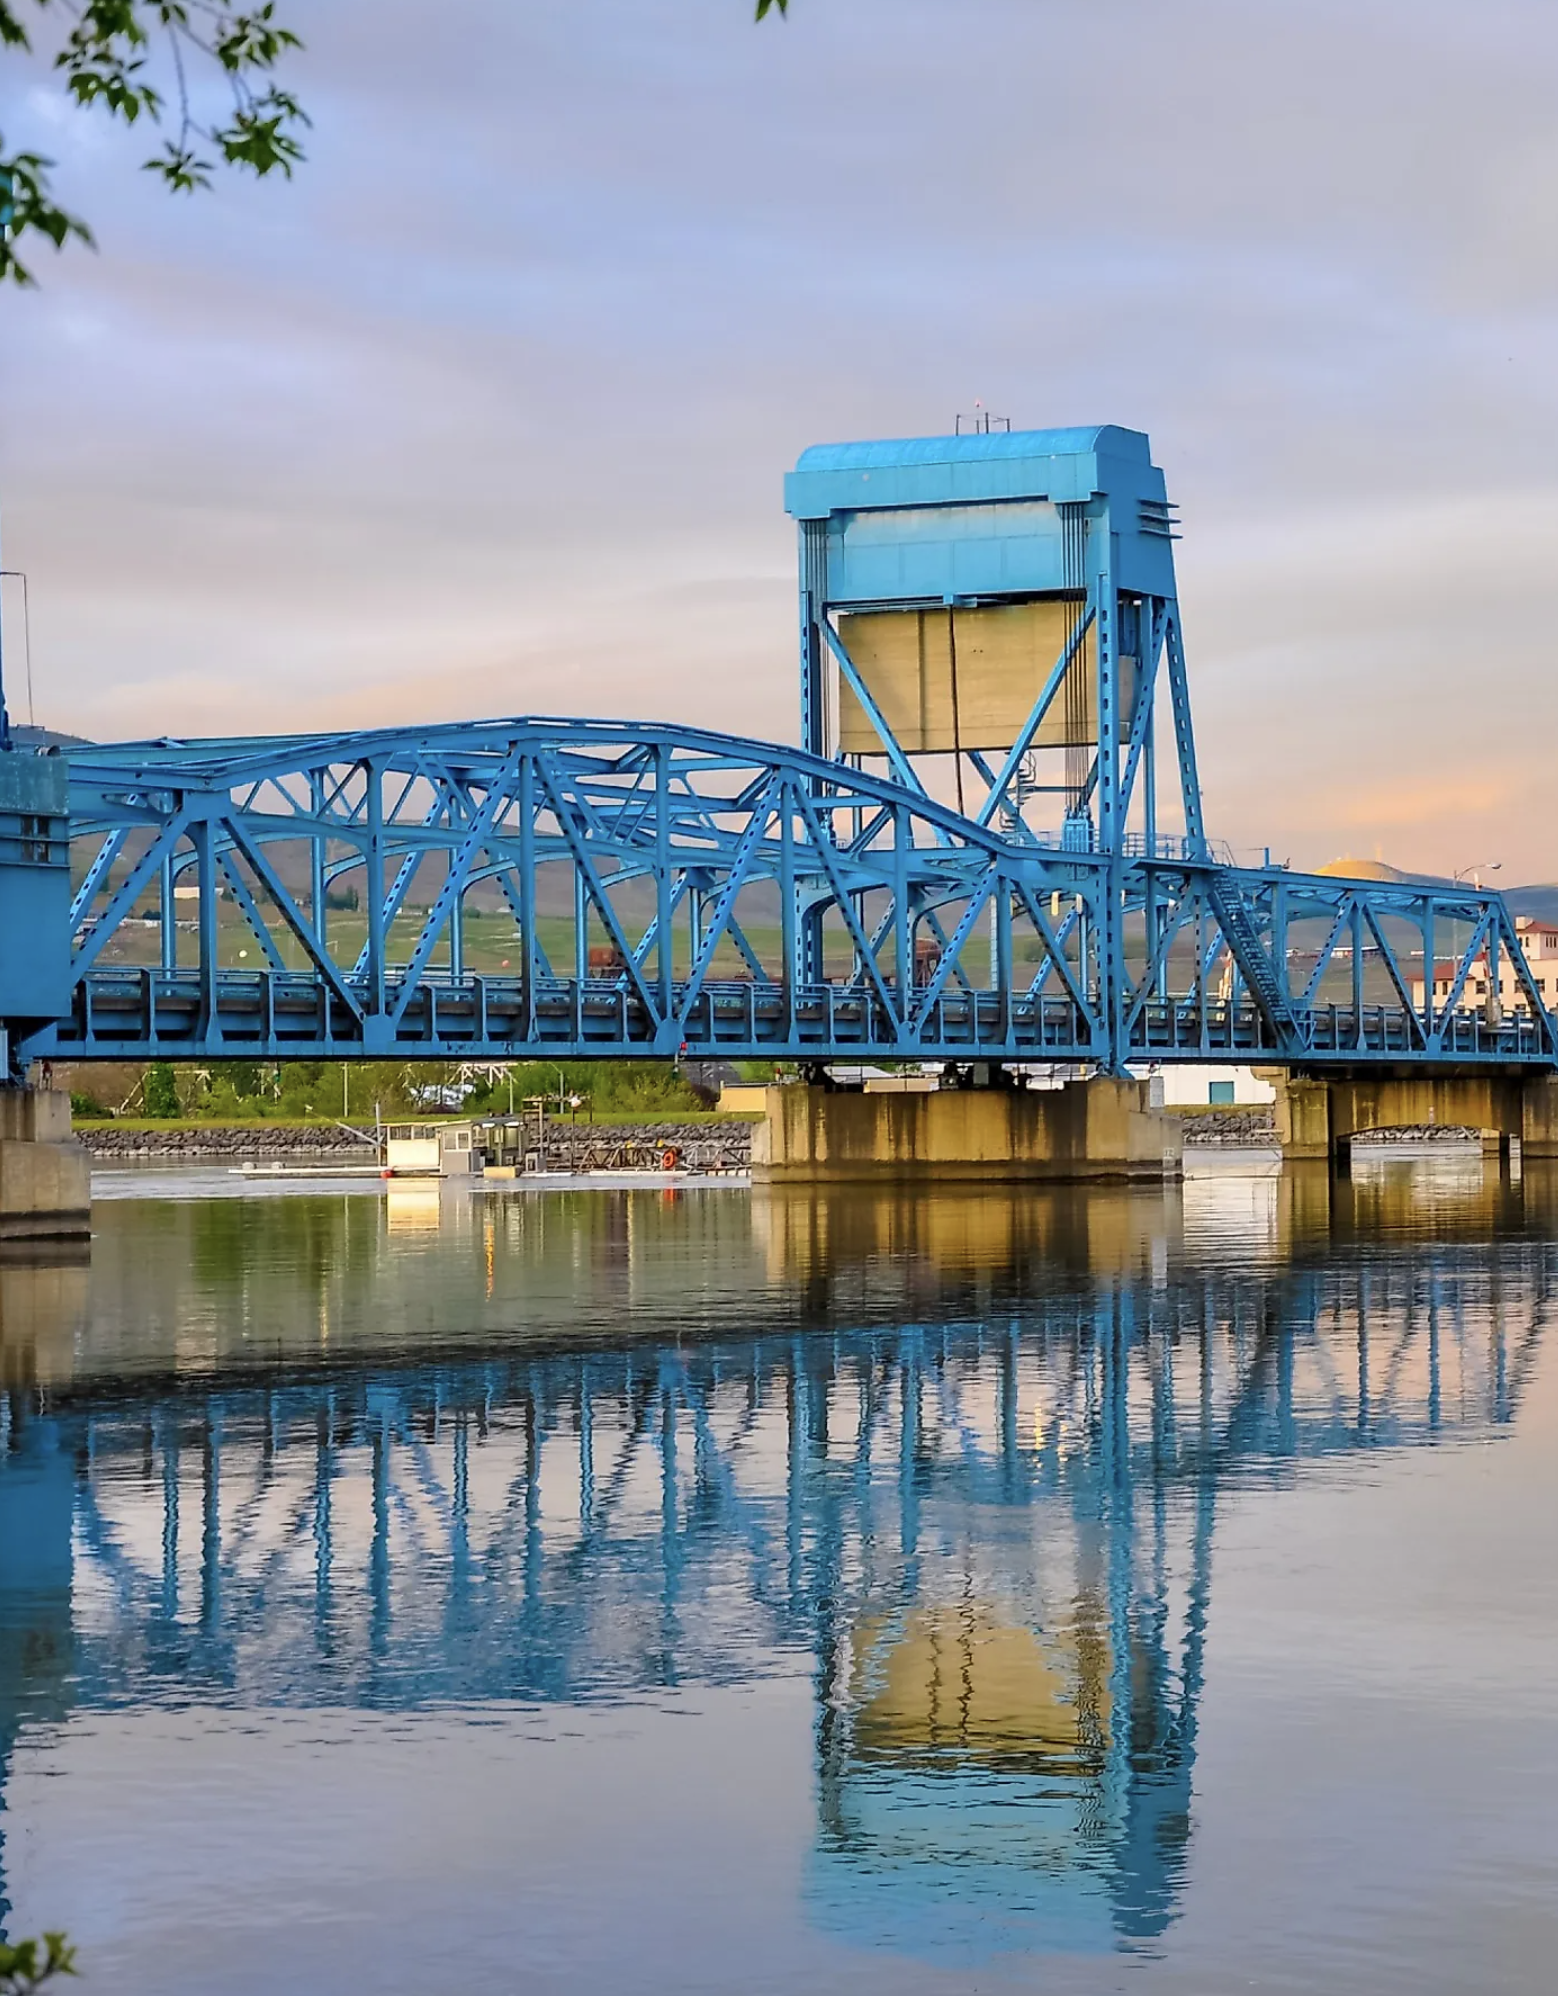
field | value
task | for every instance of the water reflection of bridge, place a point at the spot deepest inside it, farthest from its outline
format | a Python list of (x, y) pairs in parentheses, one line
[(987, 1532)]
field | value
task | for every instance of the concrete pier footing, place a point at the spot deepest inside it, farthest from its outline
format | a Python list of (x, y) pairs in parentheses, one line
[(1098, 1129), (1319, 1117), (45, 1175)]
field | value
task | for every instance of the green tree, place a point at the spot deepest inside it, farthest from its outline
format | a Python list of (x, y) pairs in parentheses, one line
[(162, 1095), (141, 59), (30, 1964), (134, 59), (245, 1078)]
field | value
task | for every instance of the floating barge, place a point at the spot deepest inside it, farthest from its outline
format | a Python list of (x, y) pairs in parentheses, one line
[(509, 1147)]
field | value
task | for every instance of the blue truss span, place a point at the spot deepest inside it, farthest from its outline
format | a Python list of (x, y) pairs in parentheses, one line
[(590, 888), (983, 852)]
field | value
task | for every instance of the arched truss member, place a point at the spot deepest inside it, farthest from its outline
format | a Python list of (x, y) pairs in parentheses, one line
[(649, 887), (565, 887)]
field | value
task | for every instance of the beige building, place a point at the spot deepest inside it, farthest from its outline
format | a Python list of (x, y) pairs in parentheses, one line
[(1539, 940)]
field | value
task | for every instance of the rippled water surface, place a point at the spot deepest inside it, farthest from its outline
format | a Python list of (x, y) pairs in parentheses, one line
[(423, 1591)]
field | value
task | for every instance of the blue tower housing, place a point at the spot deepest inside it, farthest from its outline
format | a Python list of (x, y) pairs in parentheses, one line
[(993, 599)]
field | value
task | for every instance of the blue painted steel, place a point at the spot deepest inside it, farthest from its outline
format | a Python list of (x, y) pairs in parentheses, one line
[(34, 890), (974, 517), (938, 938), (613, 888)]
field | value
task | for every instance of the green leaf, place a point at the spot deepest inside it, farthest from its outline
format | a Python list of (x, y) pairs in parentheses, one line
[(27, 207)]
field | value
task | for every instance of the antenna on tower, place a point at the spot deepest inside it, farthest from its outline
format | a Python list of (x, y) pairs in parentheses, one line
[(981, 423)]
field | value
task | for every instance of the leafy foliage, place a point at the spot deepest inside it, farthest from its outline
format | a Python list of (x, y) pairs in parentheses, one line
[(107, 60), (30, 1964), (162, 1095)]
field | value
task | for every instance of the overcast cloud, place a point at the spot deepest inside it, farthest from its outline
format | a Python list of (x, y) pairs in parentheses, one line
[(487, 412)]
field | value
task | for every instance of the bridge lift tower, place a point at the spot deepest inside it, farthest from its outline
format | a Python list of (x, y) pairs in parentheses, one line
[(990, 615)]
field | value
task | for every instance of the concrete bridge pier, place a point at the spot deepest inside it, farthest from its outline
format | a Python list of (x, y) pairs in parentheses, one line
[(1318, 1117), (1097, 1129), (45, 1175)]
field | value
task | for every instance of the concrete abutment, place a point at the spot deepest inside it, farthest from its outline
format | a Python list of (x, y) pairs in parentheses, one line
[(1097, 1129), (45, 1175), (1318, 1116)]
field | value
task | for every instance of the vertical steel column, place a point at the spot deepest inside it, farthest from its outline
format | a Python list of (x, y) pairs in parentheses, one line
[(1356, 924), (316, 861), (903, 923), (1111, 832), (374, 888), (787, 902), (814, 604), (527, 892), (694, 923), (1430, 951), (665, 988), (1150, 665), (1184, 738), (205, 877), (170, 932)]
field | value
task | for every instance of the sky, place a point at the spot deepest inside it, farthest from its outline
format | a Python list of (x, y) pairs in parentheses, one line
[(487, 411)]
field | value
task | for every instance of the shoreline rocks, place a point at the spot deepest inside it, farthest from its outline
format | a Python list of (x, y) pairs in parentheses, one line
[(106, 1143), (587, 1146), (1256, 1129), (568, 1146)]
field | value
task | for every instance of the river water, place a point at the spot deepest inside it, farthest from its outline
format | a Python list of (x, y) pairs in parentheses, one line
[(713, 1590)]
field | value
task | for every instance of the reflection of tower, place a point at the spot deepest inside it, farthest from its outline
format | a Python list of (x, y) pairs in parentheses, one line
[(1007, 1730)]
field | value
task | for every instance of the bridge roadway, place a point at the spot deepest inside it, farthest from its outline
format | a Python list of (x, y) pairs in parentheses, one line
[(655, 890)]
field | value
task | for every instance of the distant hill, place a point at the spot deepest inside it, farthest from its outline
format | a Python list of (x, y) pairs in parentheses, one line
[(1540, 903), (1369, 869), (42, 738)]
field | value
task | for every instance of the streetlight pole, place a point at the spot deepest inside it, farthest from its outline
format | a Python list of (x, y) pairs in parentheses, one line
[(1493, 1006)]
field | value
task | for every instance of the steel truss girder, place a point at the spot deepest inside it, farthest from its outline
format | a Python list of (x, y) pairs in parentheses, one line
[(825, 911)]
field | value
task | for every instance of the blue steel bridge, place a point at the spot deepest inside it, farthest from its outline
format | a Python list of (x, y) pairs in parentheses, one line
[(990, 846)]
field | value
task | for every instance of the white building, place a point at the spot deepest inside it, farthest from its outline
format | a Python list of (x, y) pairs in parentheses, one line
[(1192, 1087), (1539, 940)]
